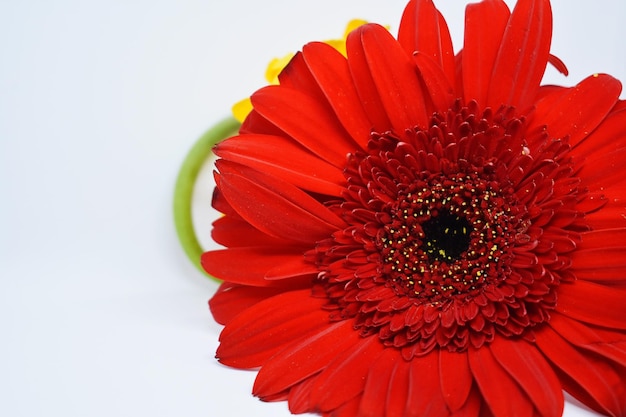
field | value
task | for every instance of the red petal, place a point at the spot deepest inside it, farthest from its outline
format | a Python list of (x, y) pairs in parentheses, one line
[(305, 358), (282, 158), (231, 299), (397, 396), (255, 123), (364, 83), (621, 105), (605, 264), (332, 73), (425, 398), (559, 65), (608, 137), (606, 170), (294, 268), (531, 371), (281, 396), (250, 265), (523, 55), (601, 239), (393, 74), (220, 204), (579, 110), (551, 91), (593, 303), (275, 207), (300, 395), (473, 405), (296, 75), (439, 89), (257, 333), (481, 45), (456, 378), (233, 231), (458, 80), (611, 215), (587, 378), (609, 344), (344, 377), (592, 202), (306, 120), (374, 398), (423, 29), (500, 391), (349, 409)]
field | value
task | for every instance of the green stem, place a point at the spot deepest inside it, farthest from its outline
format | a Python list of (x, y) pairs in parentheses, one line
[(183, 192)]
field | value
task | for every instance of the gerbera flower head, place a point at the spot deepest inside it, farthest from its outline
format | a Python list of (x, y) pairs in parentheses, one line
[(414, 232)]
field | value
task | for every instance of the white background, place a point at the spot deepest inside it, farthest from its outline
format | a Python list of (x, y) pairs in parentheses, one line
[(101, 314)]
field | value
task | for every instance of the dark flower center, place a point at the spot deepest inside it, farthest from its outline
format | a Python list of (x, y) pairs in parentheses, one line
[(446, 237), (449, 236)]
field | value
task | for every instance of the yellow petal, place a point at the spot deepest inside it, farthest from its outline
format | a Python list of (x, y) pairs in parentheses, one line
[(241, 109), (353, 24), (338, 44), (275, 66)]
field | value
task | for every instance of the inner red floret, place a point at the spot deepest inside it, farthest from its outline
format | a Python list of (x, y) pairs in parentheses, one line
[(445, 244), (448, 236)]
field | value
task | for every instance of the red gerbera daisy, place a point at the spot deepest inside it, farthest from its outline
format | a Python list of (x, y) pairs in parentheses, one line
[(411, 232)]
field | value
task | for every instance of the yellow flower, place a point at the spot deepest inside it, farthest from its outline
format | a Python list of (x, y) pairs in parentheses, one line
[(242, 108)]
